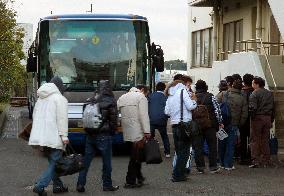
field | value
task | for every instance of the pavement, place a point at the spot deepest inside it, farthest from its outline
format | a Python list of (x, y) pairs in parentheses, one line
[(21, 165)]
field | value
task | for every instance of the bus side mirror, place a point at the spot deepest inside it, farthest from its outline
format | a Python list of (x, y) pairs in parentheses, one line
[(158, 58), (31, 62)]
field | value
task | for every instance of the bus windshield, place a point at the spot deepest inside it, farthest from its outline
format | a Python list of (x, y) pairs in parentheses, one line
[(84, 52)]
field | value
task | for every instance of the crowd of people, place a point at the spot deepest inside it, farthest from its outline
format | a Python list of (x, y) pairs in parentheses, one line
[(243, 108)]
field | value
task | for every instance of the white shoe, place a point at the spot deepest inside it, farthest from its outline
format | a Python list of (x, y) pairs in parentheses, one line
[(230, 168), (168, 156)]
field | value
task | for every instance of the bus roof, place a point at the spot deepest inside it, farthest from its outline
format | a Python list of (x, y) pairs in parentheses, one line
[(96, 16)]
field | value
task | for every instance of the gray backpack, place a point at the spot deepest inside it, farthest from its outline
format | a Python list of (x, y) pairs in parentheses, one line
[(92, 118)]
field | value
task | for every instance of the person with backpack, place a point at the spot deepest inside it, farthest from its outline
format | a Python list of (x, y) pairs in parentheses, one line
[(158, 119), (234, 109), (178, 107), (245, 129), (136, 128), (100, 122), (209, 118), (50, 131), (261, 106)]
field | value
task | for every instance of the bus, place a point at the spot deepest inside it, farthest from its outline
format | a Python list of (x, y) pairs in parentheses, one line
[(85, 48)]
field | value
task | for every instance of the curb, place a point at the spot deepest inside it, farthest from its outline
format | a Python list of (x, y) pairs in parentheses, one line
[(3, 117)]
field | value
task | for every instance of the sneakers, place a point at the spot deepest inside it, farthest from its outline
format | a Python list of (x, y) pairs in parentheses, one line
[(111, 188), (179, 180), (131, 186), (168, 155), (40, 192), (254, 166), (230, 168), (60, 189), (200, 171), (215, 171), (80, 188), (141, 180)]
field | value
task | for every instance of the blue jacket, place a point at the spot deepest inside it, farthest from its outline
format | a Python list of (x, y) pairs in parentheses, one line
[(157, 103)]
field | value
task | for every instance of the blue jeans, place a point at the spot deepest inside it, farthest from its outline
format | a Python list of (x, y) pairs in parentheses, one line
[(49, 174), (182, 151), (164, 136), (227, 147), (104, 144)]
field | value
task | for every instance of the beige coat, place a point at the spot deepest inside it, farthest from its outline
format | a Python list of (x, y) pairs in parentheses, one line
[(133, 107)]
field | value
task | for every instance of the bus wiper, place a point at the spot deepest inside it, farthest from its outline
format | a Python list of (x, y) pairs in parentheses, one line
[(73, 87)]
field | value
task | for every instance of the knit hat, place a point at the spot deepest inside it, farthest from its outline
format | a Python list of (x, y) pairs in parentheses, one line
[(59, 83)]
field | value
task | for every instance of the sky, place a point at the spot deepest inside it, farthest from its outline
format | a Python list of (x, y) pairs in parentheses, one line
[(167, 18)]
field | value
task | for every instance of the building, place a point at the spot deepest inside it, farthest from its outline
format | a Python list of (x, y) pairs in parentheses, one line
[(28, 38), (239, 36)]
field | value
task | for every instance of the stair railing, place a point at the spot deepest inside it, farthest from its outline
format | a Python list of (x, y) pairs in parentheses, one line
[(268, 63)]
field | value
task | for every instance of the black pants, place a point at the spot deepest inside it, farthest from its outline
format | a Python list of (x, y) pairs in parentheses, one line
[(198, 143), (244, 136), (134, 167)]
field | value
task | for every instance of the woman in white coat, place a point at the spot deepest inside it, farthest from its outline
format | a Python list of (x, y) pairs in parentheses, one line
[(50, 130)]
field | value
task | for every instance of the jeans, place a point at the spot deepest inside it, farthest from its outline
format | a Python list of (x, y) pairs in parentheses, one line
[(182, 150), (104, 144), (164, 136), (49, 174), (134, 166), (227, 147), (198, 145)]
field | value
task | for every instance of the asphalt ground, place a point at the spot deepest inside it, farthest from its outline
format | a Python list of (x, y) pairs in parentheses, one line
[(20, 166)]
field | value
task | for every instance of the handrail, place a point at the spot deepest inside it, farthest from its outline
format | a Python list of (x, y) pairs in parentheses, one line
[(262, 46), (267, 61)]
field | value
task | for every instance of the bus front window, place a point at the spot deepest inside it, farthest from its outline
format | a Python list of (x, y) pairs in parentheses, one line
[(84, 52)]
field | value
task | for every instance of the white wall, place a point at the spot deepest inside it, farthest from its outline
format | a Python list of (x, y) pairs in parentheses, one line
[(203, 21), (241, 63)]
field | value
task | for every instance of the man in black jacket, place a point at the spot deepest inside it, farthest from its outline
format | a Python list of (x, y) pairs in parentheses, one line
[(209, 133), (103, 139), (261, 107)]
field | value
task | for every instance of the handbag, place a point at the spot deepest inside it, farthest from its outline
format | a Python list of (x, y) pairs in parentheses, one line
[(187, 130), (152, 152), (70, 164)]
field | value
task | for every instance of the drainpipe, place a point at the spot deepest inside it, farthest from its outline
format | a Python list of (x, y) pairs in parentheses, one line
[(259, 20), (215, 33), (221, 31)]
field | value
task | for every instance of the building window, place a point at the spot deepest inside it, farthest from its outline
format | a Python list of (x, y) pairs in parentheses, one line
[(233, 32), (202, 48)]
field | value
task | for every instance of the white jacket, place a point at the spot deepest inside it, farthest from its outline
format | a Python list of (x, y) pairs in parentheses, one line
[(50, 118), (172, 108), (134, 115)]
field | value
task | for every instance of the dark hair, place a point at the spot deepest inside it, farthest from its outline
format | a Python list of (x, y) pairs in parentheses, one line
[(142, 86), (178, 77), (223, 86), (201, 85), (229, 80), (237, 77), (237, 84), (248, 78), (160, 86), (186, 79), (260, 81)]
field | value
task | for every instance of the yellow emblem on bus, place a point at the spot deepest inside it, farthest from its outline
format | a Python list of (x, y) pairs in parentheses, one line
[(95, 40)]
